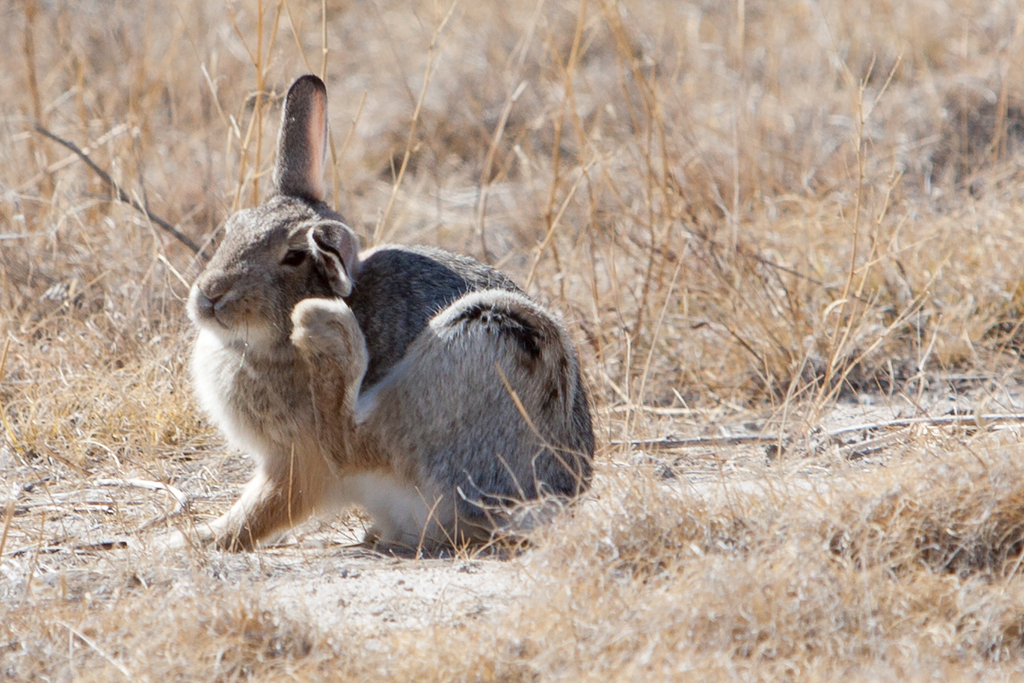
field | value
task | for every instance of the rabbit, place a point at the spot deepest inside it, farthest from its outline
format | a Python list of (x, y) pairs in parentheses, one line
[(422, 386)]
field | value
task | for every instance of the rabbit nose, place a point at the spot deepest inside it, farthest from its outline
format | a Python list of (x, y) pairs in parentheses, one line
[(207, 304)]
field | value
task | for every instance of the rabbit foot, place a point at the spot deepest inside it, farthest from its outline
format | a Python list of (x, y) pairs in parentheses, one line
[(322, 325)]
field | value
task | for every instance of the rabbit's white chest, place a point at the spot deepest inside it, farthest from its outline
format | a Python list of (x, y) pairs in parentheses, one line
[(255, 404)]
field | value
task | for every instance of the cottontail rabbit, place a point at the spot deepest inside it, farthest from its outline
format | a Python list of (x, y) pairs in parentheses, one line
[(422, 386)]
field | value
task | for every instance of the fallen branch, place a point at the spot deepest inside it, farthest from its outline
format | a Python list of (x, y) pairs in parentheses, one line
[(979, 421), (180, 499), (181, 502), (698, 441), (976, 421), (653, 410), (119, 193)]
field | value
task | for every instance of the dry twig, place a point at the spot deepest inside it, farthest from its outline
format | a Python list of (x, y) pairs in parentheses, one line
[(977, 421), (120, 194), (180, 499)]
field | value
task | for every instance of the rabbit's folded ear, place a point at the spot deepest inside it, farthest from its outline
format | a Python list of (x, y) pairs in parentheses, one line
[(302, 142), (336, 250)]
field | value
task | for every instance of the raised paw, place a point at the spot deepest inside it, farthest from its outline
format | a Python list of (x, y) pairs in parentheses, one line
[(324, 325)]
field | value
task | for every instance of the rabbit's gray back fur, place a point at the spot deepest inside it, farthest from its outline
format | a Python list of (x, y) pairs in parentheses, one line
[(399, 289)]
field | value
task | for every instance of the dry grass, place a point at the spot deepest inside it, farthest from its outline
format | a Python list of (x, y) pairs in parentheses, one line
[(771, 223)]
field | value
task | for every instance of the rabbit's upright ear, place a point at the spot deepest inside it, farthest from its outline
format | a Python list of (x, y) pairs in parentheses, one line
[(336, 249), (302, 142)]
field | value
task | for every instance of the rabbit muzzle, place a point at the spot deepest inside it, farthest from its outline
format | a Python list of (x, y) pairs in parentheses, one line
[(235, 314), (207, 305)]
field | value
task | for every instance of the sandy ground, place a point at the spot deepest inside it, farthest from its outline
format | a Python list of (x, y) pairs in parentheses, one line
[(77, 535)]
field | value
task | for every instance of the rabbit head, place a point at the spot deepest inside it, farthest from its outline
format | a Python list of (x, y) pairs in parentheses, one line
[(292, 247)]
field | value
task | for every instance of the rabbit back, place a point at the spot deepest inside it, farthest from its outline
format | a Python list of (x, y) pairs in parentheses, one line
[(399, 289)]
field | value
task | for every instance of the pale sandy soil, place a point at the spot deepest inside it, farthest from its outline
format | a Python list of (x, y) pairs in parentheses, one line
[(74, 535)]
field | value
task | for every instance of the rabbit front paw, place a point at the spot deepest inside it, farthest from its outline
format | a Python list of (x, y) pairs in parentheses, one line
[(322, 325)]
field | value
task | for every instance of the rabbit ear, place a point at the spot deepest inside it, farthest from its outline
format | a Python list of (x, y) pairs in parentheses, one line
[(336, 249), (302, 142)]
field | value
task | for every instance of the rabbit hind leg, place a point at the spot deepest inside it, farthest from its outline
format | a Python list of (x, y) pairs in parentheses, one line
[(480, 411)]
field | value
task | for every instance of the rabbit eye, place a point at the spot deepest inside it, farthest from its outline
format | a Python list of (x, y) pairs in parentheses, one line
[(294, 257)]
